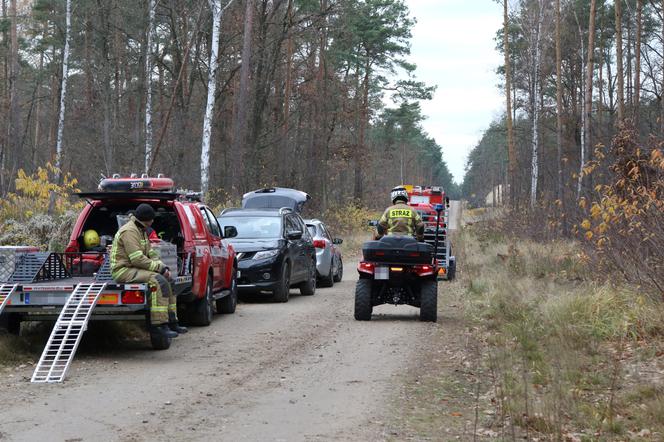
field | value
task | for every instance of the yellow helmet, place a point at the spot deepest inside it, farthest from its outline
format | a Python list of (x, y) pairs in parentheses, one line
[(90, 239)]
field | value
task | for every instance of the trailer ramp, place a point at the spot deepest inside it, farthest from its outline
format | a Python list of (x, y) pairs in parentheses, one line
[(67, 333), (6, 291)]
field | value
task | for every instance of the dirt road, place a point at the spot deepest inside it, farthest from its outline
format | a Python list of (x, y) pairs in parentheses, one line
[(305, 370), (297, 371), (455, 214)]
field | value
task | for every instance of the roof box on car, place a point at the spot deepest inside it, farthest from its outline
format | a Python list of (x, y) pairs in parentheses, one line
[(275, 198)]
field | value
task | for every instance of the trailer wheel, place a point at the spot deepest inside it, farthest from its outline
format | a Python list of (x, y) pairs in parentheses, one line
[(160, 342), (12, 322), (363, 304), (451, 271), (429, 301), (227, 304)]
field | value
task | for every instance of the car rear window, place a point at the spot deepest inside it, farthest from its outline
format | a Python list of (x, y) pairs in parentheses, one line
[(107, 217), (253, 227)]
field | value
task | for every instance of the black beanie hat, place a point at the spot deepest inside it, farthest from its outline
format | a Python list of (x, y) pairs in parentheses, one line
[(144, 212)]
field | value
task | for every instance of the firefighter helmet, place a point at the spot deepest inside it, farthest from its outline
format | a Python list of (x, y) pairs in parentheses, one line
[(399, 193), (91, 239)]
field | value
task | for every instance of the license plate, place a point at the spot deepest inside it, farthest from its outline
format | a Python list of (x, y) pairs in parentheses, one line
[(382, 273)]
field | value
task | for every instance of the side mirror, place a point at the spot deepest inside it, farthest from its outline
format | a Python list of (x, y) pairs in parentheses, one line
[(373, 223), (294, 235), (230, 232), (447, 202), (337, 241)]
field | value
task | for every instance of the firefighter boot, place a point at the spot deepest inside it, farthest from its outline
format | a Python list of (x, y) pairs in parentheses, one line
[(163, 330), (174, 326)]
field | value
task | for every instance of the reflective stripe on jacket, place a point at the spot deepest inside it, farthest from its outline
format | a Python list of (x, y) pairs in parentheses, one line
[(132, 249)]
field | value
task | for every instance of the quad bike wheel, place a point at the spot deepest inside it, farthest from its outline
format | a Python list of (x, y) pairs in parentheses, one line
[(363, 305), (429, 301)]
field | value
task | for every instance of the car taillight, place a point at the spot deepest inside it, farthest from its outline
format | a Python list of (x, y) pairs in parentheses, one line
[(133, 297), (319, 243), (423, 270), (366, 267)]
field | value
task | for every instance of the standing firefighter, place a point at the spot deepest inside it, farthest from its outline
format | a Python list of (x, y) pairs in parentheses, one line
[(400, 218), (134, 261)]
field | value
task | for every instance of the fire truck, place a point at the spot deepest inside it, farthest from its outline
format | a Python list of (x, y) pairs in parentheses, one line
[(75, 286), (424, 199)]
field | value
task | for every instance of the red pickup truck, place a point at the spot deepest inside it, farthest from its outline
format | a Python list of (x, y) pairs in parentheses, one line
[(192, 244)]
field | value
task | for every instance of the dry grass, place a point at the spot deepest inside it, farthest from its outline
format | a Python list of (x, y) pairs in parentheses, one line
[(567, 354)]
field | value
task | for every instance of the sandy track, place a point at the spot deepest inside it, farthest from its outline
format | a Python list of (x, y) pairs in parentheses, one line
[(304, 370)]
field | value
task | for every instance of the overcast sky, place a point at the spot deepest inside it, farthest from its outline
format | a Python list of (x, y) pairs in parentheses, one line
[(453, 46)]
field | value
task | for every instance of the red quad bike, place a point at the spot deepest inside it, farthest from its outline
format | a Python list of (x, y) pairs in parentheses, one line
[(398, 270)]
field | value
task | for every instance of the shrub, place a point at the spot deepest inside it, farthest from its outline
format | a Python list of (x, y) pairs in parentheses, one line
[(24, 214), (624, 227)]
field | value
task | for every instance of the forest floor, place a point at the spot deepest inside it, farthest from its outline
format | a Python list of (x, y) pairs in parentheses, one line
[(531, 346)]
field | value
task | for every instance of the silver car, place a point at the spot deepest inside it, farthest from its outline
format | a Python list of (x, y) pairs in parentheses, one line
[(329, 265)]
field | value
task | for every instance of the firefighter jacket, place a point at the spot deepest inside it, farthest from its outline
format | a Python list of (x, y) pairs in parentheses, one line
[(401, 219), (132, 249)]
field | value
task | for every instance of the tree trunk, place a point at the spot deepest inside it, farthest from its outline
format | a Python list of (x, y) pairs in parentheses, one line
[(628, 57), (217, 12), (148, 84), (59, 149), (559, 107), (534, 166), (637, 64), (511, 150), (364, 122), (588, 94), (288, 80), (582, 156), (619, 61), (242, 103), (13, 117)]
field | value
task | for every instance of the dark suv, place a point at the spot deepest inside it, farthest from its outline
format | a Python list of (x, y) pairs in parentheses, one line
[(274, 249)]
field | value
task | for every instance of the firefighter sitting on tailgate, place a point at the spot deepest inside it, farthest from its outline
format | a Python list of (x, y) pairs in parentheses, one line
[(400, 218), (134, 261)]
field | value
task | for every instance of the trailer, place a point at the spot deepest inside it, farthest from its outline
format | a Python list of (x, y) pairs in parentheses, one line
[(425, 199), (75, 286)]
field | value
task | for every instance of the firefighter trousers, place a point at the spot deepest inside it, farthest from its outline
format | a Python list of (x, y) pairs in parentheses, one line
[(162, 301)]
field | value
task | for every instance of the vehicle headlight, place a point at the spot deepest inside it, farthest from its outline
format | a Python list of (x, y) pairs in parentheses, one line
[(266, 254)]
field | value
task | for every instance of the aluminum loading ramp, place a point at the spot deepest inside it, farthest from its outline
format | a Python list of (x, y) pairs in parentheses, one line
[(67, 333), (6, 291)]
